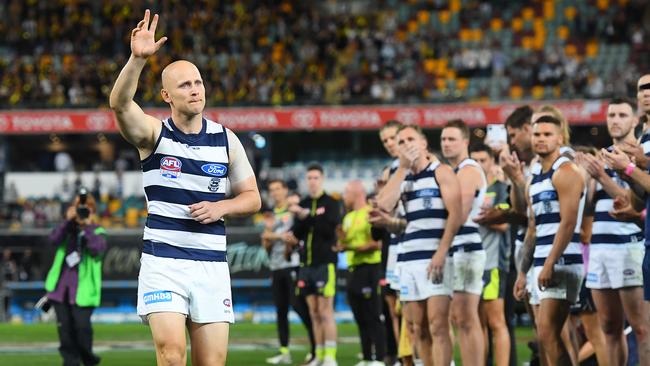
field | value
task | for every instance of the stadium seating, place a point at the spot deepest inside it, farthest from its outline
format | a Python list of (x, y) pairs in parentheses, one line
[(292, 52)]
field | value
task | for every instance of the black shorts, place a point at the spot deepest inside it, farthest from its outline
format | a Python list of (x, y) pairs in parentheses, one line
[(585, 302), (365, 280), (494, 284), (317, 280), (387, 291)]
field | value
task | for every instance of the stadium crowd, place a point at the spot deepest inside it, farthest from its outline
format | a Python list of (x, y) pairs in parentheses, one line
[(66, 54)]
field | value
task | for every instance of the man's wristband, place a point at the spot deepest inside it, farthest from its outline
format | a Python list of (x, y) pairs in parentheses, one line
[(629, 169), (643, 213)]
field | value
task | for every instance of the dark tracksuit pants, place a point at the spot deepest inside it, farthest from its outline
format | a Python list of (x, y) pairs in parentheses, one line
[(283, 286), (364, 297), (75, 334)]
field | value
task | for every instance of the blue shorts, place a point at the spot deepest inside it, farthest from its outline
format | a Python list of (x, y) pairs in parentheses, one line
[(646, 274)]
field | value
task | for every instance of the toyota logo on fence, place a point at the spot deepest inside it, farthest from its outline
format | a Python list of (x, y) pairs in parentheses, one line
[(408, 116), (304, 119), (98, 122)]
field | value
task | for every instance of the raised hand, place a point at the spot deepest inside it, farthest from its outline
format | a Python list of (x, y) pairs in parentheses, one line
[(379, 218), (637, 153), (512, 167), (591, 164), (622, 210), (408, 156), (616, 159), (143, 43)]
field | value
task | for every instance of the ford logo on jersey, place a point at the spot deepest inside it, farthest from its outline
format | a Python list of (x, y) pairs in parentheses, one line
[(218, 170), (170, 167), (547, 195)]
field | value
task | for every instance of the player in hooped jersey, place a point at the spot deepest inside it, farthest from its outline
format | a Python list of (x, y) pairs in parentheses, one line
[(555, 200), (634, 170), (388, 136), (616, 249), (468, 255), (188, 162), (430, 193), (391, 224)]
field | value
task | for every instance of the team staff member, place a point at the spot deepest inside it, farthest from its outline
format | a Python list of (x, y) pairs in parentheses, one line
[(496, 245), (364, 261), (514, 159), (388, 137), (316, 219), (74, 282), (284, 266)]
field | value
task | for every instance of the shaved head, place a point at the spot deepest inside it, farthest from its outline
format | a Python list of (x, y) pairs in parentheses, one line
[(182, 88), (174, 71), (354, 192), (356, 186)]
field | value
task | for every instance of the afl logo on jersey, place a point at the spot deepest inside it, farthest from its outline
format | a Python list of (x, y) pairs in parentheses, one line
[(170, 167), (218, 170)]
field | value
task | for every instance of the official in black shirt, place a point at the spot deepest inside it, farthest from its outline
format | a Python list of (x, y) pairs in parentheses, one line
[(314, 232)]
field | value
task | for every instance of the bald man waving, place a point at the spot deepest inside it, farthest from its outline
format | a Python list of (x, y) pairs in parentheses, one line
[(187, 163)]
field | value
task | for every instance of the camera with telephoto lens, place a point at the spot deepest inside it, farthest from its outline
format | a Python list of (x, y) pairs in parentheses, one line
[(83, 211)]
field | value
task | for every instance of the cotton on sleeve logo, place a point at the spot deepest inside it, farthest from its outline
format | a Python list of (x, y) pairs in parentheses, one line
[(170, 167), (218, 170), (157, 296)]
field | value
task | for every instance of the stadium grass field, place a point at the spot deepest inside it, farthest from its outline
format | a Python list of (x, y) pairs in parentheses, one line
[(130, 344)]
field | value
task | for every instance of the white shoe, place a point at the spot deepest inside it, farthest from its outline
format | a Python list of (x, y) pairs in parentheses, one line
[(314, 362), (280, 359), (329, 362), (375, 363)]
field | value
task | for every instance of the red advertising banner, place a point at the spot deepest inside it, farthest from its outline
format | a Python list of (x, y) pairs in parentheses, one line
[(579, 112)]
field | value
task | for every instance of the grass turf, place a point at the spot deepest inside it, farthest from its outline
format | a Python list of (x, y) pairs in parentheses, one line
[(250, 344)]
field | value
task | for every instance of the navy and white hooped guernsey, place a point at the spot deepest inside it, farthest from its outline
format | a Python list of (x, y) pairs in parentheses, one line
[(645, 145), (606, 229), (395, 238), (645, 142), (468, 238), (521, 231), (185, 169), (426, 215), (546, 208)]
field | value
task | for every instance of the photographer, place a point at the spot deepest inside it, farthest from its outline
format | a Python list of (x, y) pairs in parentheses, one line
[(74, 281)]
